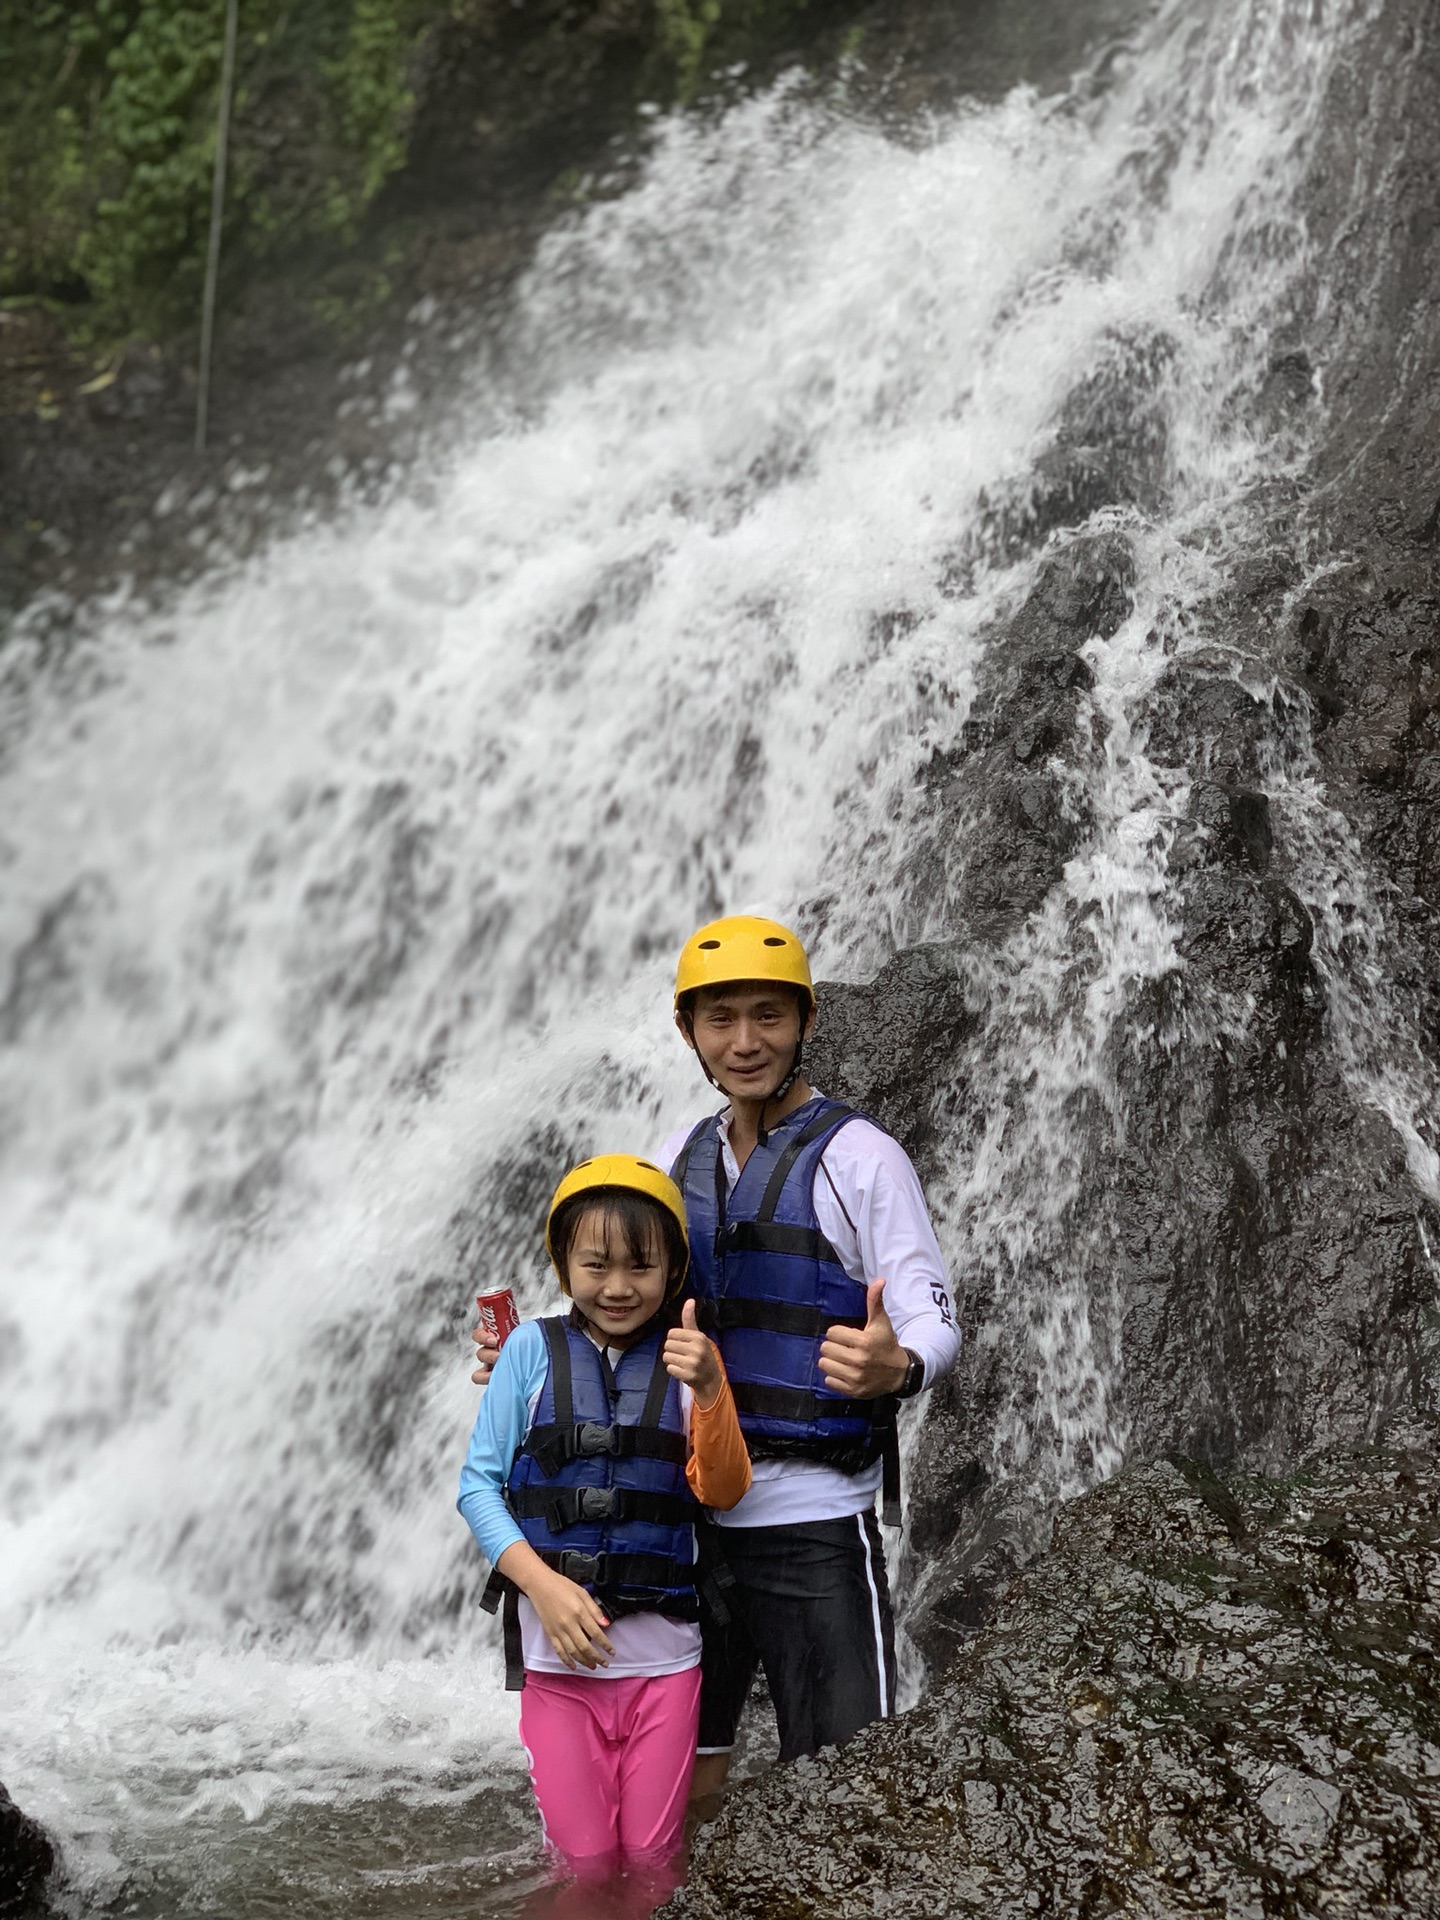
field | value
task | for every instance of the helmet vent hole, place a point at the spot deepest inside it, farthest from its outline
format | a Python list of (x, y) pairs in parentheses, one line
[(709, 946), (772, 941)]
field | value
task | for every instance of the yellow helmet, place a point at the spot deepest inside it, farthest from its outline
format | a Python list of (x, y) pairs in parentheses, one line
[(742, 947), (622, 1170)]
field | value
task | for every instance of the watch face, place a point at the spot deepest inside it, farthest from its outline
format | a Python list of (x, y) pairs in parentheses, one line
[(914, 1376)]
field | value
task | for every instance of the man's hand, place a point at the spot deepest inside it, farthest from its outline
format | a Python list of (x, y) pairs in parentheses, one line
[(864, 1362), (690, 1357), (485, 1355)]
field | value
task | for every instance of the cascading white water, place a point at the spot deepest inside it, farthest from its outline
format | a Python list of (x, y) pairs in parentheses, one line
[(345, 887)]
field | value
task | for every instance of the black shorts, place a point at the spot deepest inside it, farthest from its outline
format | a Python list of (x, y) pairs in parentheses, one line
[(811, 1604)]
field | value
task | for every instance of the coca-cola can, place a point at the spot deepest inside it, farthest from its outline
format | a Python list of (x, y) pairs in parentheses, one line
[(498, 1318)]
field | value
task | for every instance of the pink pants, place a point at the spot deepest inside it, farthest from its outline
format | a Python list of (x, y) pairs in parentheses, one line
[(610, 1761)]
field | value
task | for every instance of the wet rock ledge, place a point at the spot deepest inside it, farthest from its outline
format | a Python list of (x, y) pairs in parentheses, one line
[(27, 1860), (1215, 1695)]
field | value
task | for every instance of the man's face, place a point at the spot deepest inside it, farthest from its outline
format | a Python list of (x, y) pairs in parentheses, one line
[(747, 1034)]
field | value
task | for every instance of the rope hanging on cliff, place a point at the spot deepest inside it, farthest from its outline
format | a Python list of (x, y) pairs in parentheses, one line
[(217, 209)]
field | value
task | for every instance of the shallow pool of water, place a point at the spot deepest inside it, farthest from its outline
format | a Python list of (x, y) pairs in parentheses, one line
[(476, 1852)]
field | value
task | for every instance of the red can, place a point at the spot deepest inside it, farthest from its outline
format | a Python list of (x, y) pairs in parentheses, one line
[(498, 1318)]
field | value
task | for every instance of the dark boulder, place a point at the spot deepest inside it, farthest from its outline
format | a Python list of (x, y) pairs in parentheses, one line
[(27, 1860), (1214, 1696), (1245, 1216)]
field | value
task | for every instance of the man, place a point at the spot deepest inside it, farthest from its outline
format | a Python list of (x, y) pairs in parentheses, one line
[(818, 1273), (812, 1248)]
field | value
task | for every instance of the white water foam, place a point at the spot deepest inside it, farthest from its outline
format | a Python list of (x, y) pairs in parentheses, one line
[(339, 880)]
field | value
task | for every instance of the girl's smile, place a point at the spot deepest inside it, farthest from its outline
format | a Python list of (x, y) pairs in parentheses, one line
[(615, 1292)]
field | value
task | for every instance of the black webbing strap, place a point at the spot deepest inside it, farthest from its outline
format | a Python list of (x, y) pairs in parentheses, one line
[(498, 1589), (828, 1118), (889, 1461), (514, 1647), (654, 1405), (566, 1439), (610, 1570), (795, 1403), (713, 1586), (551, 1447), (773, 1236), (569, 1506), (562, 1386), (714, 1582), (777, 1316)]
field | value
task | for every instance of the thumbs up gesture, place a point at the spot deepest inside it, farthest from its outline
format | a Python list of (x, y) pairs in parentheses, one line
[(864, 1362), (690, 1357)]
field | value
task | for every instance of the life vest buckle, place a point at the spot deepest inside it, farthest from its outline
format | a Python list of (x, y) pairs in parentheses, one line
[(591, 1439), (582, 1568), (597, 1503)]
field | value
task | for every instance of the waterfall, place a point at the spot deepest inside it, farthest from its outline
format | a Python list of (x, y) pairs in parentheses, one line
[(342, 887)]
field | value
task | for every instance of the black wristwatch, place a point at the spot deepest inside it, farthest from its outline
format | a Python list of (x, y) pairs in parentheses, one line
[(914, 1376)]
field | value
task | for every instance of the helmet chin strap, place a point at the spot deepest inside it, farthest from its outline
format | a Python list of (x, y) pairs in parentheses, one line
[(689, 1019), (780, 1092)]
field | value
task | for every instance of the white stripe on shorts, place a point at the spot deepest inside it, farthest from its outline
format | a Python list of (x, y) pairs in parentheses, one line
[(875, 1616)]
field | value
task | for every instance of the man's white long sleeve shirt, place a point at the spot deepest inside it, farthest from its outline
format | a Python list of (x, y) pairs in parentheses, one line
[(870, 1206)]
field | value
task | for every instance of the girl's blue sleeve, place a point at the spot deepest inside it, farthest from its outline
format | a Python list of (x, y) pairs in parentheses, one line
[(500, 1426)]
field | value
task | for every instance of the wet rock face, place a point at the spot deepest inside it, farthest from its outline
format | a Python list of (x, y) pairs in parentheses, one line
[(27, 1860), (1211, 1698), (1267, 1250), (888, 1038), (1262, 1237), (1214, 1696)]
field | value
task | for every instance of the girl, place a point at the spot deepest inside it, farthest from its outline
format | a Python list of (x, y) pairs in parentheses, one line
[(600, 1435)]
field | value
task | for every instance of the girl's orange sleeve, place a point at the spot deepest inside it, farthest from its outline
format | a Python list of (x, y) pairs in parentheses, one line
[(718, 1470)]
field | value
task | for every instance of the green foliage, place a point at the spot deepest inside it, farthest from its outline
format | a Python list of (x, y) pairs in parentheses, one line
[(373, 102), (108, 129), (685, 28), (695, 37), (155, 143)]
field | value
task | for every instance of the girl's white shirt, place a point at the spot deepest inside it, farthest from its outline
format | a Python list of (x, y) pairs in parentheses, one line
[(646, 1644)]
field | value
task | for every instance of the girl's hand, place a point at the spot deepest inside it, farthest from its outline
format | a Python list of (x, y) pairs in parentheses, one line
[(573, 1621), (690, 1357)]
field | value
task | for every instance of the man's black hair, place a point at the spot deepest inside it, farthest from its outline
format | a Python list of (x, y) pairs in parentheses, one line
[(804, 999)]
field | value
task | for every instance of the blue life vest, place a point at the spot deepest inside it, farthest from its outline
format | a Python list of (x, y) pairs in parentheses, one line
[(598, 1487), (770, 1287)]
